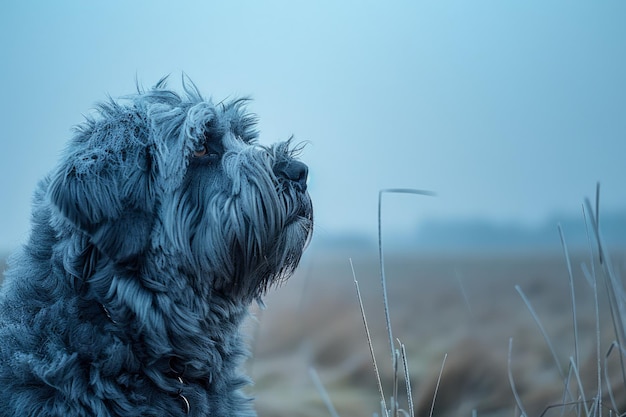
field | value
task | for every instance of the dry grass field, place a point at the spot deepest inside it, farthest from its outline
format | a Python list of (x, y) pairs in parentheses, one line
[(465, 306), (462, 305)]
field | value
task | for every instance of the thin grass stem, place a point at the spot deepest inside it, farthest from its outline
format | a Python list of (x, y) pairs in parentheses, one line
[(322, 391), (369, 342), (567, 394), (407, 380), (381, 258), (597, 222), (581, 388), (593, 279), (518, 400), (613, 286), (573, 294), (394, 401), (432, 406), (542, 329), (607, 378)]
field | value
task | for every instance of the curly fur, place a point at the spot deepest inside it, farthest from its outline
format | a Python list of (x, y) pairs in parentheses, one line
[(164, 220)]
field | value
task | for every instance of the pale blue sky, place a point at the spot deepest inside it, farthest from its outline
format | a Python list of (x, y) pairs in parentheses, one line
[(508, 110)]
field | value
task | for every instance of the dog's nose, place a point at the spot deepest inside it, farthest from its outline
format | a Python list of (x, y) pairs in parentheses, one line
[(294, 171)]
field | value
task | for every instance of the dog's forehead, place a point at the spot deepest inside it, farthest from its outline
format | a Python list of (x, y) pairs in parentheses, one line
[(180, 128), (205, 124), (205, 120)]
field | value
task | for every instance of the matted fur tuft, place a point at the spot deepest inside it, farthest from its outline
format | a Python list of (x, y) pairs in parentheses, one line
[(164, 220)]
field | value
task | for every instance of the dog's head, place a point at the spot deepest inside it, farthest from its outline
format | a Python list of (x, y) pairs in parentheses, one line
[(181, 183)]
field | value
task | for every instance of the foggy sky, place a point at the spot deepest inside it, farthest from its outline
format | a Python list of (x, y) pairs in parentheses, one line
[(510, 111)]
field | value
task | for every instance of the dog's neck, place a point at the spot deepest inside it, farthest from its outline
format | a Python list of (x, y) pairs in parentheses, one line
[(174, 327), (175, 320), (179, 338)]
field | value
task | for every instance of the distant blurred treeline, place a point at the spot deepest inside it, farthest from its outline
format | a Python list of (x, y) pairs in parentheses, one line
[(487, 235)]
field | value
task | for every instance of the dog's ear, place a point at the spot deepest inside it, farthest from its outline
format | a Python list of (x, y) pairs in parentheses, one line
[(103, 186)]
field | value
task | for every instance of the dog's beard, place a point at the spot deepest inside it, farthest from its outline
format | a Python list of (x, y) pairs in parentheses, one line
[(241, 226)]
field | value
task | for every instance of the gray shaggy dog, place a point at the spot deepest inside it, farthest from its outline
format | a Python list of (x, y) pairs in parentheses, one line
[(163, 222)]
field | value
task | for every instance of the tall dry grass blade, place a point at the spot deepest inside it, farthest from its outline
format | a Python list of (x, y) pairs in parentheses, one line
[(518, 400), (614, 288), (598, 341), (542, 329), (567, 394), (581, 388), (381, 258), (573, 294), (597, 221), (322, 391), (588, 273), (407, 379), (607, 378), (616, 295), (394, 400), (594, 410), (432, 406), (383, 279), (369, 342), (561, 406), (593, 279)]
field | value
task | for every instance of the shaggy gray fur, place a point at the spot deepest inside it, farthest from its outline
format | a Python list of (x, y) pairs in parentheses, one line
[(163, 222)]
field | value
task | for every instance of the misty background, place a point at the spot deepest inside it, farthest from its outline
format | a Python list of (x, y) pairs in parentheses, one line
[(509, 111)]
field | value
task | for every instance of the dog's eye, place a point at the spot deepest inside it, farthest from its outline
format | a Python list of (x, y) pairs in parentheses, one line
[(206, 152), (199, 153)]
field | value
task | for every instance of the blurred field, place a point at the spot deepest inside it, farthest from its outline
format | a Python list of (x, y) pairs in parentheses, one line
[(462, 305)]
